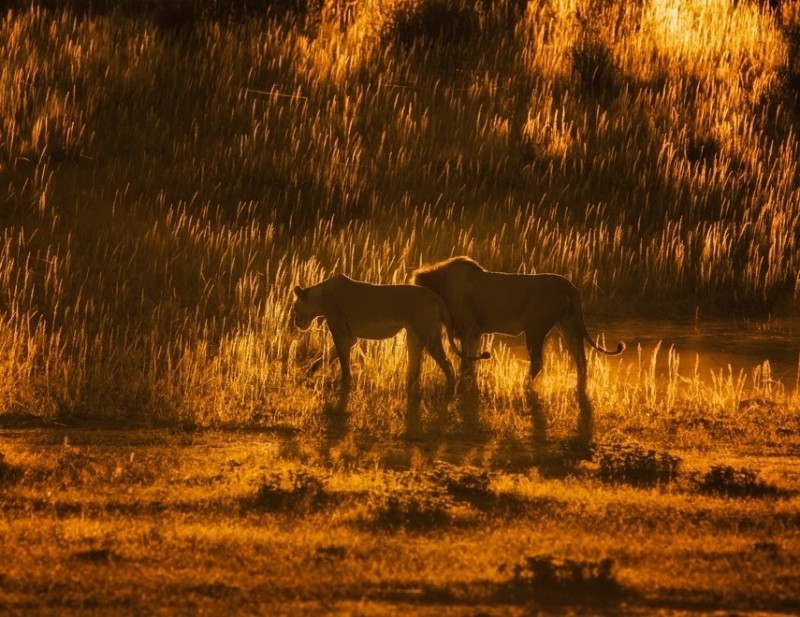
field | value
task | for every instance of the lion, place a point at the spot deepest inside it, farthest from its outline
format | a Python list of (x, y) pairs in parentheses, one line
[(482, 302), (355, 309)]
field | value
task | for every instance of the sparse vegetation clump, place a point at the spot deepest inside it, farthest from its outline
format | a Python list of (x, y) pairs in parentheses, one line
[(409, 22), (292, 491), (727, 481), (633, 464), (593, 63), (551, 579), (466, 484), (411, 503), (790, 27), (409, 511)]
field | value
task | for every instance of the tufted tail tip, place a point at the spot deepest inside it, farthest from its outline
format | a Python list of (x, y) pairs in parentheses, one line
[(485, 355)]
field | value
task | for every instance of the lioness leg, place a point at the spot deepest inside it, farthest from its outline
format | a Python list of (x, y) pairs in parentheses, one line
[(414, 359), (343, 344), (534, 340), (434, 347)]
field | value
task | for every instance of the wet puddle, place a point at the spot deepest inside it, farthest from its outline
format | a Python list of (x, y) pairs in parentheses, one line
[(717, 345)]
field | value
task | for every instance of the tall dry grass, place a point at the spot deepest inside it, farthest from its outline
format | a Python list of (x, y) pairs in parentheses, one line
[(167, 187)]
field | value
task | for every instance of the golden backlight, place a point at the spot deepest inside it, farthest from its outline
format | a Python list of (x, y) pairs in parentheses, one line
[(171, 170)]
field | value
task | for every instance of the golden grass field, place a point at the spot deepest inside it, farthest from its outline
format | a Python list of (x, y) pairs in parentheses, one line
[(170, 171)]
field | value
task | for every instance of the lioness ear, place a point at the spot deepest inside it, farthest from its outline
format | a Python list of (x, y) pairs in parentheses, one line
[(299, 291)]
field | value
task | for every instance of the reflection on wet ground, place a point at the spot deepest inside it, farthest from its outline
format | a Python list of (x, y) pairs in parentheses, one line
[(436, 428), (438, 431), (452, 431), (743, 345)]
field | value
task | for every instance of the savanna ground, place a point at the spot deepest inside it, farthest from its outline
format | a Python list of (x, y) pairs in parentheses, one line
[(172, 170)]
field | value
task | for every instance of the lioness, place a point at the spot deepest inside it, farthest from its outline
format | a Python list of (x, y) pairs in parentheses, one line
[(354, 309), (482, 302)]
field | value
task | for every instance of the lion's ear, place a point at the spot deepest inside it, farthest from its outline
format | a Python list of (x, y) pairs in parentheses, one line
[(299, 291)]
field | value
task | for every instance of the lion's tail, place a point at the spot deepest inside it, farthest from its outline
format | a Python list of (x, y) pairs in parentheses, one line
[(447, 320), (576, 306)]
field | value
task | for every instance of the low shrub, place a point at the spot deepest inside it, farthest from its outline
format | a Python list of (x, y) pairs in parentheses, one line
[(410, 510), (632, 464), (467, 484), (702, 149), (548, 578), (292, 491), (410, 21), (594, 64), (727, 481)]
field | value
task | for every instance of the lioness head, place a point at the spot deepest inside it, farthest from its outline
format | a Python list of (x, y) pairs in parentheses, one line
[(305, 308)]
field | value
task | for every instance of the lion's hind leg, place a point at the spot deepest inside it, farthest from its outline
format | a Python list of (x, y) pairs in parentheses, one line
[(573, 337), (534, 341), (470, 347), (574, 342), (539, 320)]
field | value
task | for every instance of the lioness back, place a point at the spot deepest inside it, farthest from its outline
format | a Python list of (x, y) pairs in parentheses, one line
[(373, 301)]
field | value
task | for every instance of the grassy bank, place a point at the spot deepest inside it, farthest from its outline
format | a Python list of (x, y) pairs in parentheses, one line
[(157, 522), (169, 179)]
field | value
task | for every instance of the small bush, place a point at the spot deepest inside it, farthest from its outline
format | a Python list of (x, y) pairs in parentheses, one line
[(415, 504), (467, 484), (411, 510), (786, 87), (702, 149), (790, 28), (594, 64), (632, 464), (562, 459), (727, 481), (291, 8), (410, 21), (544, 574), (293, 491)]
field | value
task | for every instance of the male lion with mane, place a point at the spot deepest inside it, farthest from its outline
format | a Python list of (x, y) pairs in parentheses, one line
[(355, 309), (483, 302)]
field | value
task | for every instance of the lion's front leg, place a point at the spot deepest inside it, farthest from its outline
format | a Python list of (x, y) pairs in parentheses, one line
[(343, 343)]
